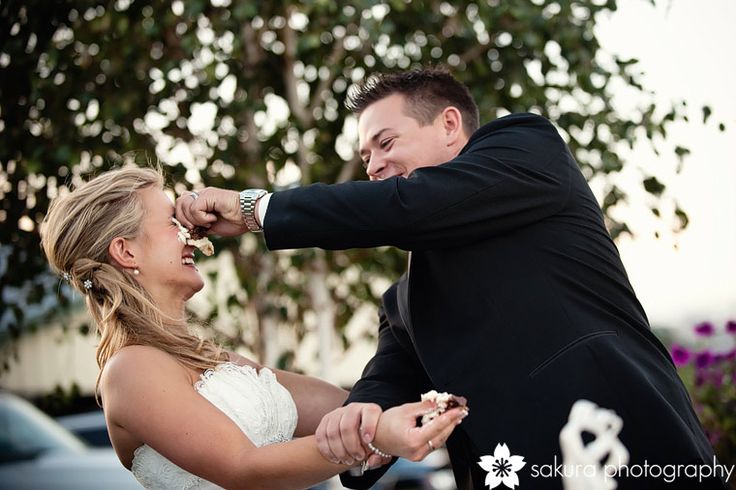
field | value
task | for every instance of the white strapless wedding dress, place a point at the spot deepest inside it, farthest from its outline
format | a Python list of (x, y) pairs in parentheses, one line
[(254, 400)]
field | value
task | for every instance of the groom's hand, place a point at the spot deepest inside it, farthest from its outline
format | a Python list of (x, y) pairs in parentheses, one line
[(218, 210), (343, 434)]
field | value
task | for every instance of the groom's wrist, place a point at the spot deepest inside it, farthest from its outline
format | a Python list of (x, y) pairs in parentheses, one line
[(261, 208)]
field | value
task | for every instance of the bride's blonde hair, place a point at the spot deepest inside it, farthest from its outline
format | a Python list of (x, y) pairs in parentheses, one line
[(75, 236)]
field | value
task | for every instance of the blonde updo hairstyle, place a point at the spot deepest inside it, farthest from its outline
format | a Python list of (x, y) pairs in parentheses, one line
[(75, 236)]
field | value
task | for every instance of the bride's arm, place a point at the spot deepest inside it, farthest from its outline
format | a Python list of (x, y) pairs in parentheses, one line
[(314, 398), (148, 395)]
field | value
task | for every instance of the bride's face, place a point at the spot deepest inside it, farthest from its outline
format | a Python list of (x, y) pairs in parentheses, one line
[(166, 265)]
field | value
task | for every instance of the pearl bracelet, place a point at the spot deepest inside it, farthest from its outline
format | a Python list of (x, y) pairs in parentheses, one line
[(378, 451)]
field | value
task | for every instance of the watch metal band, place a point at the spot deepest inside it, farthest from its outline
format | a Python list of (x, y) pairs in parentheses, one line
[(248, 200)]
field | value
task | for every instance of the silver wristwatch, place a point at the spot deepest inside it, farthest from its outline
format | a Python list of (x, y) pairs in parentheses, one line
[(248, 200)]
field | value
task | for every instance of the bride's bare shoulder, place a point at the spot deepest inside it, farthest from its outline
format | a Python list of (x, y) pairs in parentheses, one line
[(240, 360), (134, 360)]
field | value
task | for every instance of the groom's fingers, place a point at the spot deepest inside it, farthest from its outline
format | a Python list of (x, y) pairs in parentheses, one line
[(182, 211), (197, 209), (331, 423), (350, 434), (324, 448), (189, 210), (340, 434), (369, 422), (322, 440), (201, 210), (334, 424)]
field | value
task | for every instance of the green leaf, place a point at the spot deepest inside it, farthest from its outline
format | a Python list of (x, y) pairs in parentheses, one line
[(681, 151), (683, 218), (653, 186), (706, 113)]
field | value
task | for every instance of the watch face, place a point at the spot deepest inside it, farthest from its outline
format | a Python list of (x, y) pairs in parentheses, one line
[(253, 193)]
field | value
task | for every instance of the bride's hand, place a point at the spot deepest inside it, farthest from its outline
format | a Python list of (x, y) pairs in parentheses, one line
[(399, 435)]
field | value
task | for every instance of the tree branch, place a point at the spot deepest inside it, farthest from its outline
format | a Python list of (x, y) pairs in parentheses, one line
[(303, 117), (474, 52), (333, 60)]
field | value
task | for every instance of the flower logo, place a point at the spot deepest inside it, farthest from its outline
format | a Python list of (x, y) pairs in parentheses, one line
[(502, 467)]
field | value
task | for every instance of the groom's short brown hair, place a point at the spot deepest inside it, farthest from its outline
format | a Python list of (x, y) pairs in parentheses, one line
[(427, 91)]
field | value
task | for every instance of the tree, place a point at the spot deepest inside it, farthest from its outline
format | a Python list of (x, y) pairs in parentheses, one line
[(250, 94)]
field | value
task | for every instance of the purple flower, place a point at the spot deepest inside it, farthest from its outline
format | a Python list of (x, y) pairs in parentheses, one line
[(704, 329), (714, 436), (731, 327), (680, 355), (703, 359), (731, 355)]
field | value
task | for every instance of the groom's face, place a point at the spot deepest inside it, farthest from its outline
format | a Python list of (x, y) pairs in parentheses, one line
[(393, 143)]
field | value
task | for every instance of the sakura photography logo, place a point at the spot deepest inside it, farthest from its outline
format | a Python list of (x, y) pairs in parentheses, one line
[(502, 467)]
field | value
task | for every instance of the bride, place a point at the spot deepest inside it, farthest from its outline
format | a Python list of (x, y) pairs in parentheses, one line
[(182, 412)]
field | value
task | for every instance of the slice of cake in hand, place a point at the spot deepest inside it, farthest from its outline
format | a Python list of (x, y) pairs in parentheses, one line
[(443, 402)]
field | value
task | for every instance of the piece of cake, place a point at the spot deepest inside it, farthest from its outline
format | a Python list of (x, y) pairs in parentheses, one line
[(443, 402), (196, 237)]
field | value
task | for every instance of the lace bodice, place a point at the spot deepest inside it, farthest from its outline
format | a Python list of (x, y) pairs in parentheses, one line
[(255, 401)]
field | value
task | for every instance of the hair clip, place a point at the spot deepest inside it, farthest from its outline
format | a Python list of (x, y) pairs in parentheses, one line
[(87, 284), (66, 276)]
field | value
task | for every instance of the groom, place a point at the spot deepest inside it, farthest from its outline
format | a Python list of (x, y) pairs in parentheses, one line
[(515, 296)]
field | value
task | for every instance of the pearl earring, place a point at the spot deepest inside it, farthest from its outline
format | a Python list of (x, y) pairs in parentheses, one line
[(136, 271)]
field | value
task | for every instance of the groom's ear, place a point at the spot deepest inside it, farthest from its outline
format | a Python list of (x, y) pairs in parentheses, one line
[(122, 253), (452, 122)]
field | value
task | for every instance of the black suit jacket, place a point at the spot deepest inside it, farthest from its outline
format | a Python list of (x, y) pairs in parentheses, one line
[(515, 298)]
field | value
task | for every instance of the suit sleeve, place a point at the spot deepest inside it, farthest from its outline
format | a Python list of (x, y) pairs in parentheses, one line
[(509, 175), (392, 377)]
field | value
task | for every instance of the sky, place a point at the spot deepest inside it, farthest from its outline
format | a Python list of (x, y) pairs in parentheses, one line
[(686, 51)]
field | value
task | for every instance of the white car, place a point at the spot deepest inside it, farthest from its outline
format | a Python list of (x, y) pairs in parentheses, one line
[(88, 426), (36, 453)]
